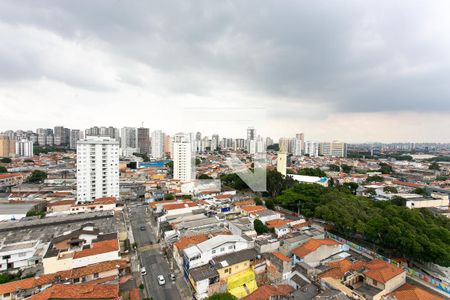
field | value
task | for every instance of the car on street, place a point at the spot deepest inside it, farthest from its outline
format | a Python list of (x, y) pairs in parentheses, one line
[(161, 280), (142, 228), (172, 277), (143, 271)]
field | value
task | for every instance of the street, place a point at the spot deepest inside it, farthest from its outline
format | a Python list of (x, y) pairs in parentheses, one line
[(152, 259)]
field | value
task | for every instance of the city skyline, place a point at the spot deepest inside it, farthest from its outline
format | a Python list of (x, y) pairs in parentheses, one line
[(365, 73)]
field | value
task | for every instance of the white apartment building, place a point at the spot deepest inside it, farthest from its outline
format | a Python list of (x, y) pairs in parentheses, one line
[(183, 165), (24, 148), (128, 137), (157, 144), (334, 149), (97, 168), (311, 148)]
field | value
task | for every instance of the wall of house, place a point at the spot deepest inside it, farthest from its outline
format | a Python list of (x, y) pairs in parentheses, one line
[(389, 286), (224, 273), (53, 264), (93, 259), (313, 259)]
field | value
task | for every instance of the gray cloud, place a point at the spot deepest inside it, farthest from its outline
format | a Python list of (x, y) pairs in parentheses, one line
[(346, 56)]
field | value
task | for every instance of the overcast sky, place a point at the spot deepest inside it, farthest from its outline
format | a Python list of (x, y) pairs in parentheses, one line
[(348, 70)]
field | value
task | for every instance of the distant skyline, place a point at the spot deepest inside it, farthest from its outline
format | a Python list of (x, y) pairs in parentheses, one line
[(350, 71)]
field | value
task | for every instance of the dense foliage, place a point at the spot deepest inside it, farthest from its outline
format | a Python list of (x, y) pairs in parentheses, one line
[(6, 160), (234, 181), (222, 296), (312, 172), (411, 233), (375, 178), (259, 226), (3, 170), (334, 168), (385, 168), (37, 176), (46, 149), (276, 183), (346, 168)]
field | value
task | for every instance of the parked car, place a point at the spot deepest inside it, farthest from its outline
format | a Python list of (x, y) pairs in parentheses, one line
[(143, 271), (161, 280), (142, 228), (173, 277)]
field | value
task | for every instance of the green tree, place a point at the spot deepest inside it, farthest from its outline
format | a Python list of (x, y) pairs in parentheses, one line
[(3, 170), (28, 160), (259, 226), (385, 168), (221, 296), (258, 201), (204, 176), (276, 183), (346, 168), (352, 186), (169, 197), (420, 191), (312, 172), (6, 160), (375, 178), (187, 197), (390, 189), (37, 176), (334, 168), (234, 181), (434, 166), (198, 161), (270, 204)]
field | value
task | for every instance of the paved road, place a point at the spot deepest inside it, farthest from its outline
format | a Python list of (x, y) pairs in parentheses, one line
[(151, 258)]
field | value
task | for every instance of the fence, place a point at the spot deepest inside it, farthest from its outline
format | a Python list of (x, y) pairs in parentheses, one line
[(410, 272)]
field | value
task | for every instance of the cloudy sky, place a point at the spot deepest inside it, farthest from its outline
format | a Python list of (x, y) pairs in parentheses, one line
[(349, 70)]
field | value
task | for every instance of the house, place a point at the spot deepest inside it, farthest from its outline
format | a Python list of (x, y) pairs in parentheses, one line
[(184, 243), (79, 291), (279, 226), (265, 215), (100, 204), (203, 252), (21, 255), (271, 292), (106, 272), (242, 226), (315, 250), (60, 206), (364, 280), (282, 264), (99, 251), (411, 292)]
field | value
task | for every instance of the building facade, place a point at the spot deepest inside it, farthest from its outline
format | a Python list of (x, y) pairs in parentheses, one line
[(97, 168)]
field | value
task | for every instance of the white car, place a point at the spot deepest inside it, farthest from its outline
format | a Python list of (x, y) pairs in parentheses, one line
[(143, 271), (161, 280)]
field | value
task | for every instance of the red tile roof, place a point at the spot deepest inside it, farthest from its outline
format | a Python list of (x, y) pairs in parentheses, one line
[(106, 200), (277, 223), (74, 273), (381, 271), (311, 246), (98, 248), (281, 256), (253, 208), (79, 291), (265, 292), (62, 202), (412, 292), (190, 240), (179, 205), (339, 268), (154, 204)]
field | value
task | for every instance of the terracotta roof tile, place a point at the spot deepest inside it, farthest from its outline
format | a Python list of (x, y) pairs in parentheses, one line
[(98, 248), (281, 256), (381, 271), (265, 292), (79, 291), (277, 223), (253, 208), (412, 292), (311, 246), (187, 241)]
